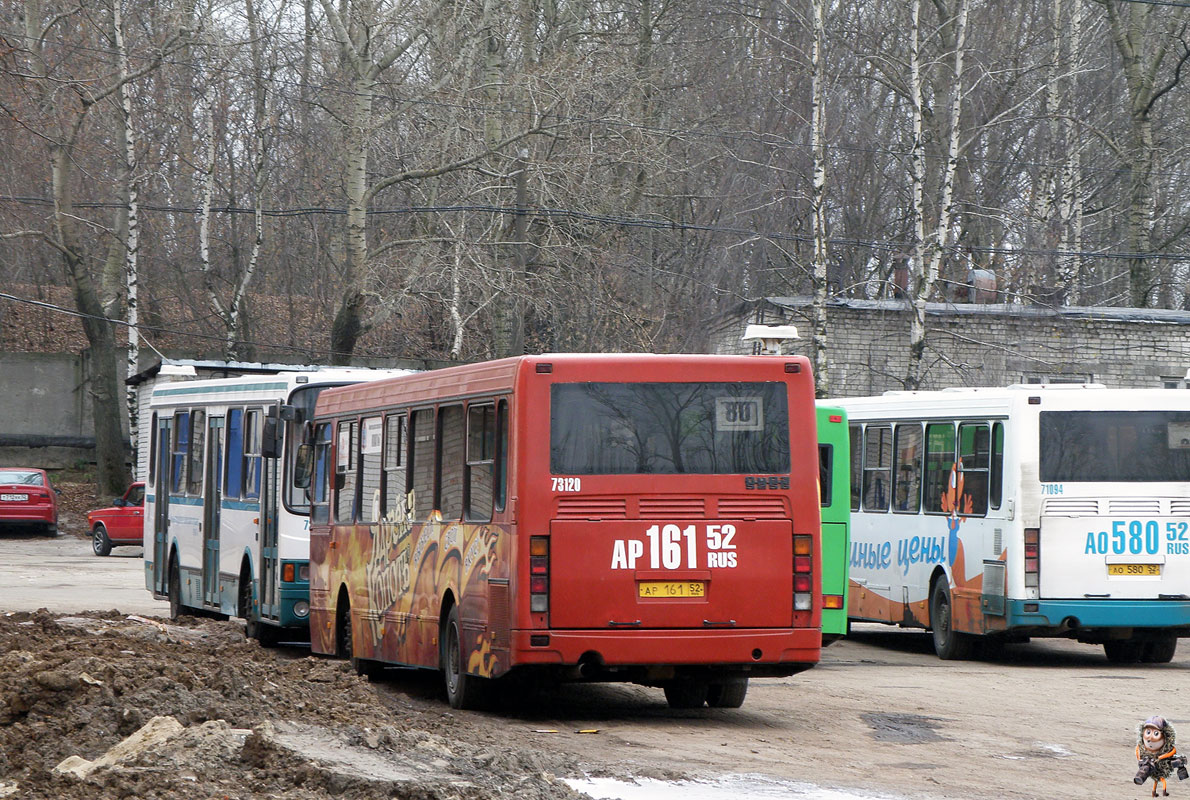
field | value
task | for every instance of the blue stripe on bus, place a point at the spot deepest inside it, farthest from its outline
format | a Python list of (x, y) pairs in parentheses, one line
[(201, 390), (235, 505), (1101, 613)]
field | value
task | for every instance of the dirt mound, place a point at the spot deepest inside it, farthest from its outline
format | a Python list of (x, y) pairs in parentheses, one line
[(74, 501), (230, 720)]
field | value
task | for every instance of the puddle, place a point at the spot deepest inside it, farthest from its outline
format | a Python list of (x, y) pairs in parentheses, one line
[(729, 787), (903, 728)]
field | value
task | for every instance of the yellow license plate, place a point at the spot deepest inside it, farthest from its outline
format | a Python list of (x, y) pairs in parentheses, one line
[(672, 589), (1134, 569)]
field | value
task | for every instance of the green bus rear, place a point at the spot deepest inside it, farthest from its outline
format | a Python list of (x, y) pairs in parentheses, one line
[(833, 463)]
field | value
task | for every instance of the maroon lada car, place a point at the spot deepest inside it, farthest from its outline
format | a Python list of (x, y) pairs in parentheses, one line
[(27, 498), (121, 523)]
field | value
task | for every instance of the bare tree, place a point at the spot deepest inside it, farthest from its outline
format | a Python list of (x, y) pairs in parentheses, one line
[(68, 98), (930, 242), (1143, 40)]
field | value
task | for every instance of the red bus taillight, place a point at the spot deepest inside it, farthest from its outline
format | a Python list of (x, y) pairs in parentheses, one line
[(803, 573), (1032, 558), (539, 574)]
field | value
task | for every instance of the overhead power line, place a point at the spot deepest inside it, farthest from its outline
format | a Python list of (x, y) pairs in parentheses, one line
[(652, 223), (142, 328)]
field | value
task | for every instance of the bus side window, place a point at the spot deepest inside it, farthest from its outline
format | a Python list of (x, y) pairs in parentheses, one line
[(153, 451), (939, 461), (877, 463), (975, 456), (826, 456), (421, 458), (856, 434), (907, 475), (253, 438), (392, 477), (233, 485), (371, 451), (346, 466), (181, 447), (452, 444), (501, 466), (320, 510), (198, 429), (481, 459), (996, 478)]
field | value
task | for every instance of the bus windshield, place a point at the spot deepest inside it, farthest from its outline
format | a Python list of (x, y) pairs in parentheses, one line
[(668, 428), (297, 498), (1124, 446)]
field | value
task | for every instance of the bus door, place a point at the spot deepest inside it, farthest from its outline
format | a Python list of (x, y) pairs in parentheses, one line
[(160, 519), (269, 555), (212, 502)]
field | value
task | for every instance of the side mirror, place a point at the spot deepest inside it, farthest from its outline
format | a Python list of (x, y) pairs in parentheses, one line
[(270, 446), (303, 466), (119, 502)]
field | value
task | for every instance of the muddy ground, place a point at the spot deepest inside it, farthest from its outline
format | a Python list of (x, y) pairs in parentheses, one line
[(250, 722)]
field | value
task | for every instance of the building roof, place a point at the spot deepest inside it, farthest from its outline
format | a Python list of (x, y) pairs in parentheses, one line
[(1107, 313)]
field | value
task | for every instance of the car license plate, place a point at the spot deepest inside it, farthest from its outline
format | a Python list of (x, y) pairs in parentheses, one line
[(16, 498), (1134, 569), (672, 589)]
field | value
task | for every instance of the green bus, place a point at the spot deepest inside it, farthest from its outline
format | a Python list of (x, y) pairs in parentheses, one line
[(833, 464)]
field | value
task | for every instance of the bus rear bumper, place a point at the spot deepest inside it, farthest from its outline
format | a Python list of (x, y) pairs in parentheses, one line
[(763, 653), (1070, 617)]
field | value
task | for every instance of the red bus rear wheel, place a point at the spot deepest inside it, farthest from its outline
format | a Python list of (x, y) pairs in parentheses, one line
[(728, 694), (687, 694), (462, 690)]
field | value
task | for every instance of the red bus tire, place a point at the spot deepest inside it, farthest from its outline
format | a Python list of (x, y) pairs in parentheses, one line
[(686, 694), (728, 694), (463, 691)]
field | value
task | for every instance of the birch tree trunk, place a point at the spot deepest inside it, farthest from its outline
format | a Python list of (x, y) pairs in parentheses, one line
[(1070, 207), (929, 248), (132, 223), (818, 341)]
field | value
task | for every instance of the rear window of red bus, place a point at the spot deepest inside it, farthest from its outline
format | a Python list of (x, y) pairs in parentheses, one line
[(669, 428)]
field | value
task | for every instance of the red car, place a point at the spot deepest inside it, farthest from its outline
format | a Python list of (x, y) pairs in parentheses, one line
[(28, 498), (120, 523)]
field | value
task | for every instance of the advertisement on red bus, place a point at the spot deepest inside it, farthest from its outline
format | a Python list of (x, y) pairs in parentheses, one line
[(620, 517)]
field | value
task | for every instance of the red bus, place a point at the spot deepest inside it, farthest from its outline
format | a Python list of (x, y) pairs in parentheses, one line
[(612, 517)]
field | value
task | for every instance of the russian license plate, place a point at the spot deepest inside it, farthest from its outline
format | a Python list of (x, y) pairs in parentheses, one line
[(17, 498), (1134, 569), (672, 589)]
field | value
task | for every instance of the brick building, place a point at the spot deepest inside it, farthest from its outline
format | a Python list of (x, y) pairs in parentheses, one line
[(971, 344)]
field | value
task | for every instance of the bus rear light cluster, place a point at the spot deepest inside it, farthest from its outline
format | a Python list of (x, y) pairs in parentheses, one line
[(539, 574), (803, 573), (1032, 558)]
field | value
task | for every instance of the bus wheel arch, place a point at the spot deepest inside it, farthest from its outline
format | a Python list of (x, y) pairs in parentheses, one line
[(173, 583), (949, 644), (247, 607), (343, 635)]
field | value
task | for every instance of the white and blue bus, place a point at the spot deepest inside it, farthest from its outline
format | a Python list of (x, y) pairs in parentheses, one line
[(999, 514), (226, 525)]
